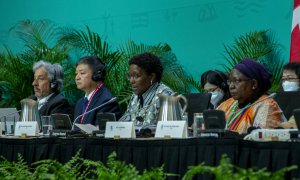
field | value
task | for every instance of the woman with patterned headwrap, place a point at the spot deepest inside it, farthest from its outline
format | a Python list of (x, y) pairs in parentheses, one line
[(250, 105)]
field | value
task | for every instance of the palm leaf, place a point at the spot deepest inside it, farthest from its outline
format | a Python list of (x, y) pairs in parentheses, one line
[(260, 46)]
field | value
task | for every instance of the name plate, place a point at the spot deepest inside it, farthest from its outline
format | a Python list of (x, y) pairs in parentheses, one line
[(28, 128), (119, 130), (173, 129)]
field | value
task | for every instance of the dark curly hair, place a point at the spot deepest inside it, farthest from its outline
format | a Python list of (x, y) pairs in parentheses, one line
[(150, 63)]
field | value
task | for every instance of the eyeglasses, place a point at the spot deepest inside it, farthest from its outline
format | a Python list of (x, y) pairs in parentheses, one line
[(289, 78), (212, 89), (236, 81), (134, 76)]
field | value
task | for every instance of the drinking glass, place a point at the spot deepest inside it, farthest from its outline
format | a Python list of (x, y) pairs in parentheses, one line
[(9, 125), (46, 125), (197, 124)]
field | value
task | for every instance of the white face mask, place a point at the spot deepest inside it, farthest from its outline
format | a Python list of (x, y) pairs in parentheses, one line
[(216, 97), (290, 86)]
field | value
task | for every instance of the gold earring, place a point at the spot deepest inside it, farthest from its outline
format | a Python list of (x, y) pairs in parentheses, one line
[(151, 82)]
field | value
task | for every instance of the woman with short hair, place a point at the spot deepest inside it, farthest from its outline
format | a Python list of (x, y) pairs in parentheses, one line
[(145, 73)]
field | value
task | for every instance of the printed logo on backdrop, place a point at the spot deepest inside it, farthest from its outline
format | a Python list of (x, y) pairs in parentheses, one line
[(207, 13), (139, 20), (170, 15), (243, 7)]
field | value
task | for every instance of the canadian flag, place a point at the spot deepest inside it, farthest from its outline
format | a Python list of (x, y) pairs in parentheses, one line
[(295, 39)]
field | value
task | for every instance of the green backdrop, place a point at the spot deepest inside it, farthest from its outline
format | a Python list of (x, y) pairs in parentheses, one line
[(195, 29)]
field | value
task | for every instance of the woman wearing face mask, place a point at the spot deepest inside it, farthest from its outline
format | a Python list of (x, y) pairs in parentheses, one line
[(290, 77), (215, 82), (289, 82)]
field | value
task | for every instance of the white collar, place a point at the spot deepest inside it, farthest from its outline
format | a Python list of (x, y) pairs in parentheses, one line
[(90, 94)]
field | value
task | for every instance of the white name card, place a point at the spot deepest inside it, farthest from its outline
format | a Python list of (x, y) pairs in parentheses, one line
[(173, 129), (29, 128), (119, 130)]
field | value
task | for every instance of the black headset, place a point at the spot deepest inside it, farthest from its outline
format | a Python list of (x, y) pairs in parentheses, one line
[(223, 85), (53, 83), (98, 75)]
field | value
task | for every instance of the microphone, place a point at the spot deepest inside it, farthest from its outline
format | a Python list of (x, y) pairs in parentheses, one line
[(101, 105), (268, 97)]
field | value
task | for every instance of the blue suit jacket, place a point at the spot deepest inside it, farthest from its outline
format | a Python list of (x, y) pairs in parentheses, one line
[(102, 96)]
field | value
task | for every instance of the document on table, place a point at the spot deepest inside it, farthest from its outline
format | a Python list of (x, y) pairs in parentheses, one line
[(87, 128)]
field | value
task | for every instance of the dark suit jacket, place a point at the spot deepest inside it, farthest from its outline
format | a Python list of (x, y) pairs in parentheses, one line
[(102, 96), (57, 103)]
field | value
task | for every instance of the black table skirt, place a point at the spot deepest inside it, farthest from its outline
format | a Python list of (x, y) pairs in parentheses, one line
[(176, 154)]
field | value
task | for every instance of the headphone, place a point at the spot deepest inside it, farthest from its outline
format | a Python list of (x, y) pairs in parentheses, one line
[(98, 75), (53, 83), (224, 86)]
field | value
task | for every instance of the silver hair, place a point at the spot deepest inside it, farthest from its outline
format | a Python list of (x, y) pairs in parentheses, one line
[(55, 72)]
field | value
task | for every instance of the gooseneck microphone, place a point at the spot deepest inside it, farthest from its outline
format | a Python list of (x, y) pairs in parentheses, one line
[(101, 105), (268, 97)]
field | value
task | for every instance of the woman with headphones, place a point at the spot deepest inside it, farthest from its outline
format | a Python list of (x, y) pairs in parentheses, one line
[(90, 72), (215, 82)]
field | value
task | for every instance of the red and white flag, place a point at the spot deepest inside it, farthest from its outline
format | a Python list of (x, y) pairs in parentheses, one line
[(295, 39)]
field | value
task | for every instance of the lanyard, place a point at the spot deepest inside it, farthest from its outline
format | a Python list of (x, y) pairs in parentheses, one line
[(87, 106)]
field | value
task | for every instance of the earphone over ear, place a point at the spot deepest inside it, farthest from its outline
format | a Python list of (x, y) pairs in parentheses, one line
[(53, 83), (223, 85), (98, 75)]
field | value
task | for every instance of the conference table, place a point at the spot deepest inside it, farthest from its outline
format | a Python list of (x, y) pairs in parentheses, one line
[(144, 153)]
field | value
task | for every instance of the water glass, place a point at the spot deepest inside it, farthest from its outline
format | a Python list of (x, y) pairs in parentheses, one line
[(185, 118), (198, 124), (46, 124), (9, 125)]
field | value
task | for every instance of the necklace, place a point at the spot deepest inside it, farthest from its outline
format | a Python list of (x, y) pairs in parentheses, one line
[(235, 116)]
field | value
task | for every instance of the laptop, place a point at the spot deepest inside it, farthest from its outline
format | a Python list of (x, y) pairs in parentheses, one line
[(61, 122), (8, 118)]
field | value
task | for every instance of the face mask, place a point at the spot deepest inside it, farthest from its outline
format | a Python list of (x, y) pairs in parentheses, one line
[(216, 97), (290, 86)]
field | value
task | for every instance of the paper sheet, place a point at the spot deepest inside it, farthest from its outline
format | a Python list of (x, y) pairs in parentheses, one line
[(87, 128)]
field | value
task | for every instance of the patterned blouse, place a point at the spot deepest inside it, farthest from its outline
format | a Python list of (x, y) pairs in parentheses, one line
[(255, 115), (143, 110)]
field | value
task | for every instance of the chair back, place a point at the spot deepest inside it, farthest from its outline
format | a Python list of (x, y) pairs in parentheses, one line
[(197, 103), (288, 101)]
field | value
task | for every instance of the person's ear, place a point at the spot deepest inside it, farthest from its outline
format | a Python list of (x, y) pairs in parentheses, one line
[(153, 77), (254, 84)]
